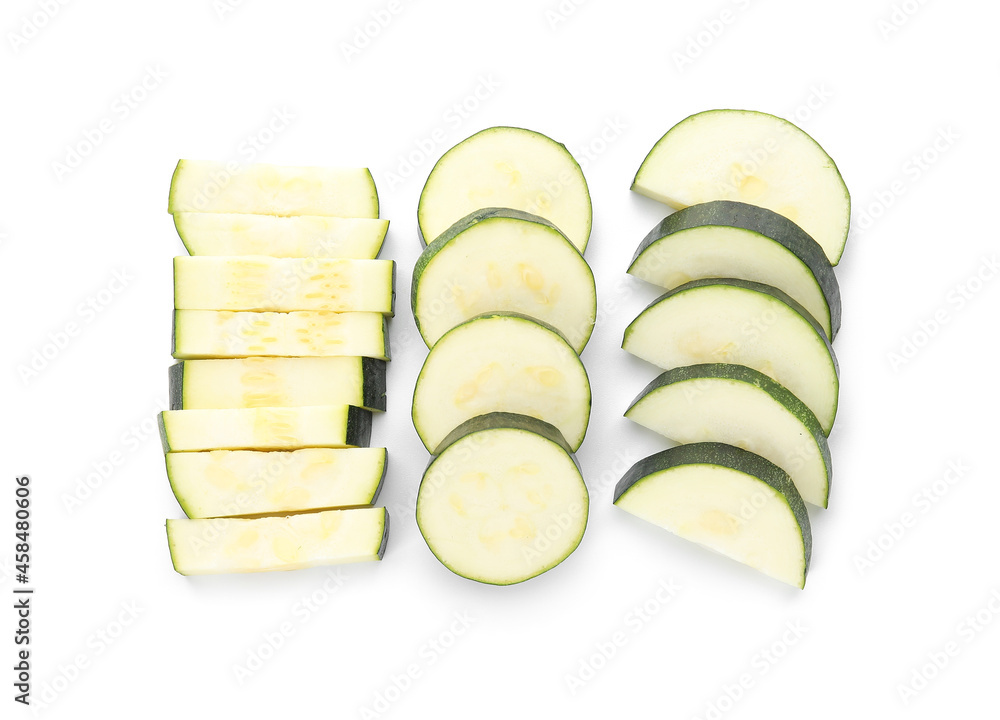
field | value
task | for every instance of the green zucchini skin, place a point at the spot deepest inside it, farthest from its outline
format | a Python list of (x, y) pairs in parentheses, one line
[(385, 531), (175, 385), (373, 388), (728, 456), (359, 426), (504, 420), (764, 222), (744, 374)]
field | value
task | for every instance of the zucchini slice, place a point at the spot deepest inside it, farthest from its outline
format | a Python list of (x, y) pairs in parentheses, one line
[(239, 545), (726, 499), (501, 362), (722, 239), (507, 167), (739, 406), (503, 501), (752, 157), (223, 483), (743, 323), (257, 283), (331, 426), (262, 189), (207, 334), (503, 259), (300, 236), (277, 382)]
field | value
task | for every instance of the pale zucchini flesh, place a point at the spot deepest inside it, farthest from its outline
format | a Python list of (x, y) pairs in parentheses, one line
[(722, 239), (330, 426), (262, 189), (501, 362), (277, 382), (275, 236), (207, 334), (224, 483), (503, 501), (502, 259), (726, 499), (507, 167), (240, 545), (258, 283), (755, 158), (740, 406), (743, 323)]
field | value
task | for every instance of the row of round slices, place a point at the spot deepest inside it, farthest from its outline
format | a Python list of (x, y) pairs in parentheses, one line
[(280, 336), (505, 302), (743, 332)]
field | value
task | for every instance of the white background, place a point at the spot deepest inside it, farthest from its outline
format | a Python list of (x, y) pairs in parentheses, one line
[(882, 88)]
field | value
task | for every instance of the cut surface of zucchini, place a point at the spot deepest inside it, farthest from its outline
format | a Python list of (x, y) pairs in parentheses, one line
[(258, 283), (740, 406), (222, 483), (726, 499), (207, 334), (277, 382), (498, 259), (754, 158), (501, 362), (239, 545), (330, 426), (507, 167), (275, 236), (743, 323), (503, 501), (723, 239), (262, 189)]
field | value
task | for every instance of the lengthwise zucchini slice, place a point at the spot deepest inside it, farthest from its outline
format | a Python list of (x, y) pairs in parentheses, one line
[(239, 545), (261, 189), (726, 499)]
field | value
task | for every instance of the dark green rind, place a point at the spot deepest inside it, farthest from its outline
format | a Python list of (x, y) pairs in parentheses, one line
[(847, 193), (385, 339), (744, 374), (385, 533), (175, 385), (471, 220), (761, 221), (173, 334), (373, 373), (392, 299), (374, 193), (420, 201), (518, 316), (381, 480), (503, 420), (164, 441), (507, 421), (734, 458), (359, 427), (754, 287)]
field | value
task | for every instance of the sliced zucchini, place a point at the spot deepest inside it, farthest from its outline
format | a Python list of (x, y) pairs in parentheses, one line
[(277, 382), (222, 483), (743, 323), (238, 545), (330, 426), (739, 406), (503, 501), (262, 189), (726, 499), (258, 283), (732, 239), (501, 362), (206, 334), (300, 236), (503, 259), (507, 167), (755, 158)]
